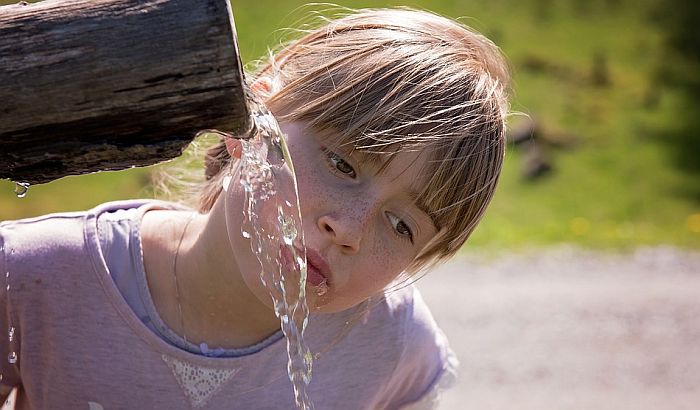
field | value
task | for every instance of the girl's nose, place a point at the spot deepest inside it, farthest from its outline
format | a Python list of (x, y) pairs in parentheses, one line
[(344, 231)]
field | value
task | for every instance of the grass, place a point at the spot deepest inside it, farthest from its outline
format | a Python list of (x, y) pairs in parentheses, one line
[(618, 184)]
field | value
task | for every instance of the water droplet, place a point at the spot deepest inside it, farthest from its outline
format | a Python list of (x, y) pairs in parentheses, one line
[(21, 189), (322, 288), (245, 234), (226, 182), (11, 333), (289, 231), (12, 358)]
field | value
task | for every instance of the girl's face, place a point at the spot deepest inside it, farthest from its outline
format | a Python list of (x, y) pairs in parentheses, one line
[(361, 225)]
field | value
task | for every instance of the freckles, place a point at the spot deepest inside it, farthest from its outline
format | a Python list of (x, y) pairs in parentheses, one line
[(308, 178), (315, 188), (312, 192), (384, 262)]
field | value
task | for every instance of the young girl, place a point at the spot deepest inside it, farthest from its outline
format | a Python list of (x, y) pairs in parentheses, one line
[(395, 122)]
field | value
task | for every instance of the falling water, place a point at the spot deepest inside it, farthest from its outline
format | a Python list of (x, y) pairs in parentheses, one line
[(267, 176), (12, 356)]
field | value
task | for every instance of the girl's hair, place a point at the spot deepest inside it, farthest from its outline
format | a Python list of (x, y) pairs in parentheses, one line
[(383, 81)]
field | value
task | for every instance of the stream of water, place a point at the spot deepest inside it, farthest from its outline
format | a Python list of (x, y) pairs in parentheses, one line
[(267, 175)]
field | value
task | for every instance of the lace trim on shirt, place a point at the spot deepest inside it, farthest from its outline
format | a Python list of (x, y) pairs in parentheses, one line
[(197, 382), (447, 379)]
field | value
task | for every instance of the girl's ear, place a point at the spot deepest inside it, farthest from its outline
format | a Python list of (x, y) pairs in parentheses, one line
[(233, 146), (262, 86)]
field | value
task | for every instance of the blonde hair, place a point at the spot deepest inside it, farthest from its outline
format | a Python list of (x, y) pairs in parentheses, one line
[(384, 81)]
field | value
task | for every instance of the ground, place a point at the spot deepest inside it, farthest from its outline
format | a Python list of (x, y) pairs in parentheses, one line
[(572, 329)]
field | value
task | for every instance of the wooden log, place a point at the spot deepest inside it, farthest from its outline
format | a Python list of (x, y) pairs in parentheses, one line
[(88, 85)]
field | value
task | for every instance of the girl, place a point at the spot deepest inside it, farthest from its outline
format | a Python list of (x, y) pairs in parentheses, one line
[(395, 122)]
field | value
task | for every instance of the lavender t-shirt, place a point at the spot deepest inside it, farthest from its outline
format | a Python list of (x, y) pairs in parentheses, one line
[(80, 345)]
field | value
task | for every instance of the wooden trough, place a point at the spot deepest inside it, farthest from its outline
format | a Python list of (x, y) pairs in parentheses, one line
[(89, 85)]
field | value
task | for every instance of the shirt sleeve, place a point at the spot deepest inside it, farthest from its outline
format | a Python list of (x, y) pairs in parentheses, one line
[(427, 365), (9, 335)]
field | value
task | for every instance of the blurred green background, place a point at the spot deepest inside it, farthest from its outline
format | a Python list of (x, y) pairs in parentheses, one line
[(610, 87)]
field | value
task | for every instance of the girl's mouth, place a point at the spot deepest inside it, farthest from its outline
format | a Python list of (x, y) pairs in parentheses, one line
[(317, 271), (313, 276)]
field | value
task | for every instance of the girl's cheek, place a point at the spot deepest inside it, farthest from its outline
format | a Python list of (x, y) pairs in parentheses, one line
[(313, 185)]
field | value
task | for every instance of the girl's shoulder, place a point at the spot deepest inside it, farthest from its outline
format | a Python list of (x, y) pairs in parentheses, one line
[(64, 241), (428, 365), (386, 327), (38, 236), (32, 238), (406, 308), (425, 363), (45, 232)]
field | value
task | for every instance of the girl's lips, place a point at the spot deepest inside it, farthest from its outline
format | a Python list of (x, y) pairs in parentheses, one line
[(317, 271), (313, 276)]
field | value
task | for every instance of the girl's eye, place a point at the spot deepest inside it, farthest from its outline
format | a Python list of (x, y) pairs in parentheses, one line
[(400, 227), (340, 164)]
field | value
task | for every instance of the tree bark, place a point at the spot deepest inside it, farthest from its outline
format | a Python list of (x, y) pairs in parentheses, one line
[(88, 85)]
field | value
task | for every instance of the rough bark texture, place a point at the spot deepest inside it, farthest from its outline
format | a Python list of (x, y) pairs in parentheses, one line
[(89, 85)]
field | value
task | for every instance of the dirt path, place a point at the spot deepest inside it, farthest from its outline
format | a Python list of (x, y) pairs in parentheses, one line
[(572, 329)]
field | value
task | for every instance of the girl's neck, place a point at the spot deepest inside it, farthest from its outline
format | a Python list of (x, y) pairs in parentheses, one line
[(204, 297)]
